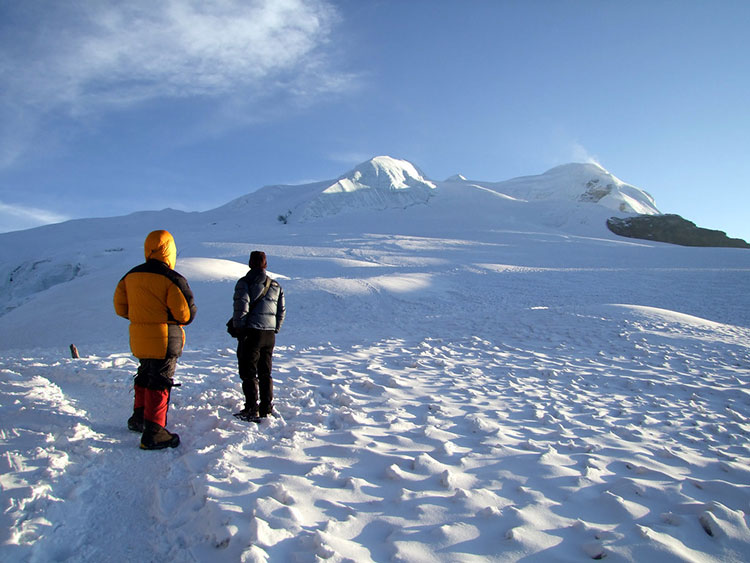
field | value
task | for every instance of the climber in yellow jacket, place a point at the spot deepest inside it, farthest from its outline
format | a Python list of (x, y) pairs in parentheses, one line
[(158, 302)]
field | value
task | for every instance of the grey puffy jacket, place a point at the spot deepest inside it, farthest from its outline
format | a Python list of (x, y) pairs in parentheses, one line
[(269, 313)]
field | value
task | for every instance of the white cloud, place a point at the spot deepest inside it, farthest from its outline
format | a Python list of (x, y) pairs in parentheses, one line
[(17, 217), (78, 59)]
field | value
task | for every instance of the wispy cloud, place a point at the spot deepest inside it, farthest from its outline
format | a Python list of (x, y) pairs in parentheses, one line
[(16, 217), (581, 154), (78, 59), (350, 158)]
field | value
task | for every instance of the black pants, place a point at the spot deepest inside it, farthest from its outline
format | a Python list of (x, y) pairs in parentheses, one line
[(156, 374), (254, 358)]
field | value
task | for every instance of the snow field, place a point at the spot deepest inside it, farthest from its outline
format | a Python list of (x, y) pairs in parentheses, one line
[(487, 376), (433, 449)]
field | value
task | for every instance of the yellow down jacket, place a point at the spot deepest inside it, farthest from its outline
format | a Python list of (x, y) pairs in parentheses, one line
[(157, 301)]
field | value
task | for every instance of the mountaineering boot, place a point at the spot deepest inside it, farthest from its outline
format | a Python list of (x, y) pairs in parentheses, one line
[(156, 437), (265, 411), (135, 422), (248, 414)]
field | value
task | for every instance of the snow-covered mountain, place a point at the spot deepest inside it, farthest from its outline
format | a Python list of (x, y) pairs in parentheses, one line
[(381, 195), (388, 183), (380, 183), (589, 183), (469, 371)]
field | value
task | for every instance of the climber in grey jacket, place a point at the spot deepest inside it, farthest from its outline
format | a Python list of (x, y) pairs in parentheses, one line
[(259, 312)]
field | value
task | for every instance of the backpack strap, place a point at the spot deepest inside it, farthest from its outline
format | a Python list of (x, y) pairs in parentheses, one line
[(261, 296)]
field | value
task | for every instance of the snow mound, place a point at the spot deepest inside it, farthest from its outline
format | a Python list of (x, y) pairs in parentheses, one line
[(211, 269), (657, 314)]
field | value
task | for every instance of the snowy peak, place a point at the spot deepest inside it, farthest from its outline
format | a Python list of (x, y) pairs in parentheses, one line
[(575, 168), (582, 182), (380, 183), (380, 173), (600, 186)]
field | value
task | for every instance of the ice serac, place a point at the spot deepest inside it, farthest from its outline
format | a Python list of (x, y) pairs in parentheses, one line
[(380, 183)]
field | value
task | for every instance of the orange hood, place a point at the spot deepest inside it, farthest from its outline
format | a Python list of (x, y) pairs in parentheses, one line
[(160, 246)]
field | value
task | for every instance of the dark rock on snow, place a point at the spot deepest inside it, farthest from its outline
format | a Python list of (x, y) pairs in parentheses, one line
[(672, 229)]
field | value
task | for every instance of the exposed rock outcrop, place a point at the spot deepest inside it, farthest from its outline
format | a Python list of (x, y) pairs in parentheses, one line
[(672, 229)]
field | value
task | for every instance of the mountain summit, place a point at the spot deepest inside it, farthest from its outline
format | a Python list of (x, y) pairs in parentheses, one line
[(380, 183), (577, 182)]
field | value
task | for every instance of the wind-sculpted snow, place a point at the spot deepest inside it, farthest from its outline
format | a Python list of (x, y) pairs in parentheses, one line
[(580, 433)]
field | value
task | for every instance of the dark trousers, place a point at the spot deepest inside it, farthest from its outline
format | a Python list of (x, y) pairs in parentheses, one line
[(254, 358), (156, 374)]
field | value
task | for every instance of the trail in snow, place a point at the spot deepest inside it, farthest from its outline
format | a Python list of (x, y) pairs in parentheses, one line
[(105, 491)]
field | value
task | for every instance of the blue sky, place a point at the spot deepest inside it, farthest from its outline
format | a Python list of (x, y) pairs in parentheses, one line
[(112, 107)]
